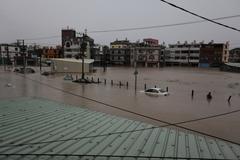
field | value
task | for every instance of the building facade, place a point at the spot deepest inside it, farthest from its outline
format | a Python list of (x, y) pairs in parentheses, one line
[(101, 55), (8, 52), (71, 44), (213, 54), (146, 53), (234, 55), (183, 53), (51, 52), (120, 51)]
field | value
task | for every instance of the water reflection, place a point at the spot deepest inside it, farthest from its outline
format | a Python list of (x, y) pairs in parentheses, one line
[(178, 106)]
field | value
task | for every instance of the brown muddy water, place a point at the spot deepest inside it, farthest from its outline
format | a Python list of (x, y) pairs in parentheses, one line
[(179, 106)]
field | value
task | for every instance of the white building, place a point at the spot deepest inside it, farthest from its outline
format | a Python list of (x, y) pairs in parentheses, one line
[(10, 50), (70, 65), (183, 53)]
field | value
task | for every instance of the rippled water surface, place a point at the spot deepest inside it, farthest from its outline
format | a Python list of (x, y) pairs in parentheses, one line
[(179, 106)]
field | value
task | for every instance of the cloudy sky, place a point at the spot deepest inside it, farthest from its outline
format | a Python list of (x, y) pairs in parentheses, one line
[(33, 19)]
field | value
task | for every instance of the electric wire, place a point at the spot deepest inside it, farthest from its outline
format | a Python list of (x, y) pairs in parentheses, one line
[(42, 38), (111, 156), (202, 17), (140, 28), (142, 115), (122, 132), (161, 26)]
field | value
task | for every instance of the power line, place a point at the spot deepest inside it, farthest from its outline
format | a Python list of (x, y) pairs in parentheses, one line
[(142, 115), (42, 38), (51, 44), (140, 28), (122, 132), (110, 156), (202, 17), (161, 26)]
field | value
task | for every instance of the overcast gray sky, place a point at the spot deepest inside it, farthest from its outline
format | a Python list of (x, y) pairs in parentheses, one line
[(30, 19)]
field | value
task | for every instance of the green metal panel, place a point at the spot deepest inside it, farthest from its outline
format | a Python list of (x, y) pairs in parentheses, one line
[(43, 129)]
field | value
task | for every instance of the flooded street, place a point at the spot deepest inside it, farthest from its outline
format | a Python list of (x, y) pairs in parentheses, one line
[(178, 107)]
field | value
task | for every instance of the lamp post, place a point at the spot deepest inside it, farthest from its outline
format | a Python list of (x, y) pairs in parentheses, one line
[(135, 67), (19, 42), (104, 58), (82, 52), (2, 56)]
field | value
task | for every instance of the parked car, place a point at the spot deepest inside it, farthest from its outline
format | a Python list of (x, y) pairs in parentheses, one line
[(156, 92), (27, 70)]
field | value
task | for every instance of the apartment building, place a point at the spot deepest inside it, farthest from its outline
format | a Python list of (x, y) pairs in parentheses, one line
[(234, 55), (120, 51), (8, 52), (183, 53), (213, 54), (71, 44), (146, 53)]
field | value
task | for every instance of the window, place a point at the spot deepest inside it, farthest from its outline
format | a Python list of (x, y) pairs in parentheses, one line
[(140, 57), (177, 52), (151, 57), (68, 44)]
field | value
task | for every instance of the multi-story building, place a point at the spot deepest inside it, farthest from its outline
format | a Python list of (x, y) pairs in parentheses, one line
[(51, 52), (213, 54), (120, 51), (183, 53), (150, 42), (234, 55), (101, 55), (8, 52), (71, 44), (146, 53)]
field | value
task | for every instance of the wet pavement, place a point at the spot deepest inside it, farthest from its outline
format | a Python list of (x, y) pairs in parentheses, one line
[(180, 106)]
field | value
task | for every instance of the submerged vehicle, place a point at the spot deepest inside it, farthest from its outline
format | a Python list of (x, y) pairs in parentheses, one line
[(156, 92)]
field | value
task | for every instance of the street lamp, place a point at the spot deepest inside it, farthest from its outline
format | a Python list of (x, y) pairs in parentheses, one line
[(135, 67), (82, 52), (19, 42)]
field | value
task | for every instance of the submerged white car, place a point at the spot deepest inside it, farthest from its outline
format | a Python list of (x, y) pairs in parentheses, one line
[(156, 92)]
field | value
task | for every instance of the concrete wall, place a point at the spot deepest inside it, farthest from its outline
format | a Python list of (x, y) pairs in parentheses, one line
[(72, 67)]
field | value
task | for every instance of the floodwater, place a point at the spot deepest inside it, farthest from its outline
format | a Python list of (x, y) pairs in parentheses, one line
[(178, 107)]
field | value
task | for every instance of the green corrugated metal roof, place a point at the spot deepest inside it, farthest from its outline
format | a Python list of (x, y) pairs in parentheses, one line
[(34, 128)]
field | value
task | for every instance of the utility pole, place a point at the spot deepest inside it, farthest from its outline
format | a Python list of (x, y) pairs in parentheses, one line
[(135, 67), (4, 62), (40, 60), (83, 49), (188, 58), (2, 56), (21, 41), (8, 59), (104, 59)]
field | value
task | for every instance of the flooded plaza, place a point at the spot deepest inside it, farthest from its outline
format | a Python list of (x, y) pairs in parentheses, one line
[(180, 107)]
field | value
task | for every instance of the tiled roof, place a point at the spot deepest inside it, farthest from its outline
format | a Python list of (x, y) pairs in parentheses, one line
[(34, 128)]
